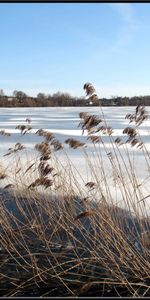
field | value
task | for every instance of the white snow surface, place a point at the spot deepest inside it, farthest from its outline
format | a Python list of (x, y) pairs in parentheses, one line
[(63, 122)]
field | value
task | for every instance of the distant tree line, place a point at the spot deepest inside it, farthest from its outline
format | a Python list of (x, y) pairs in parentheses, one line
[(20, 99)]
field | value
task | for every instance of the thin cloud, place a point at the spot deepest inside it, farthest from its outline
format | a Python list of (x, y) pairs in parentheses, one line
[(128, 25), (125, 10), (123, 36)]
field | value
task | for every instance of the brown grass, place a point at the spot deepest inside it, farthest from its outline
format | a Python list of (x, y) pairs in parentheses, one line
[(59, 237)]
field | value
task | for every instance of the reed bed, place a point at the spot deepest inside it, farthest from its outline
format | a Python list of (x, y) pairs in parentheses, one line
[(61, 237)]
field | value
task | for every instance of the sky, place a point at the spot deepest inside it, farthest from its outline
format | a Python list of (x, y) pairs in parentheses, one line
[(51, 47)]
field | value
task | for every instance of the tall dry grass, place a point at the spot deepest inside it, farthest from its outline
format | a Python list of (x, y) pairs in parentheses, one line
[(65, 237)]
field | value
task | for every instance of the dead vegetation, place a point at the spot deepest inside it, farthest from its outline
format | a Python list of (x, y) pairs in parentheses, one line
[(63, 242)]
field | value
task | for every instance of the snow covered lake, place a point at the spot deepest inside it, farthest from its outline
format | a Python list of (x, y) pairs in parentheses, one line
[(63, 123)]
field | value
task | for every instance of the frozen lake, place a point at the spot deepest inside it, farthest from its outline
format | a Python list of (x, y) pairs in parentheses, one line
[(63, 122)]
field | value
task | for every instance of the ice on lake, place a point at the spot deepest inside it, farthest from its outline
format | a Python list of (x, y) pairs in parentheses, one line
[(63, 122)]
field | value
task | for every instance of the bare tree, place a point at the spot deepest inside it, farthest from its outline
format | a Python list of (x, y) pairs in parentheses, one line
[(41, 96), (1, 92), (19, 95)]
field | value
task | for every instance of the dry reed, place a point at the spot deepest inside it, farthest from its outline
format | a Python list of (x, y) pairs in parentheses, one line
[(63, 241)]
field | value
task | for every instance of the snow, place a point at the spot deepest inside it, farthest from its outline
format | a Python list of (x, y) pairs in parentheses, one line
[(63, 122)]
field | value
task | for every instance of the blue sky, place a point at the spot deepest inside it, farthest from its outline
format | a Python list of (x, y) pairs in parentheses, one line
[(50, 47)]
